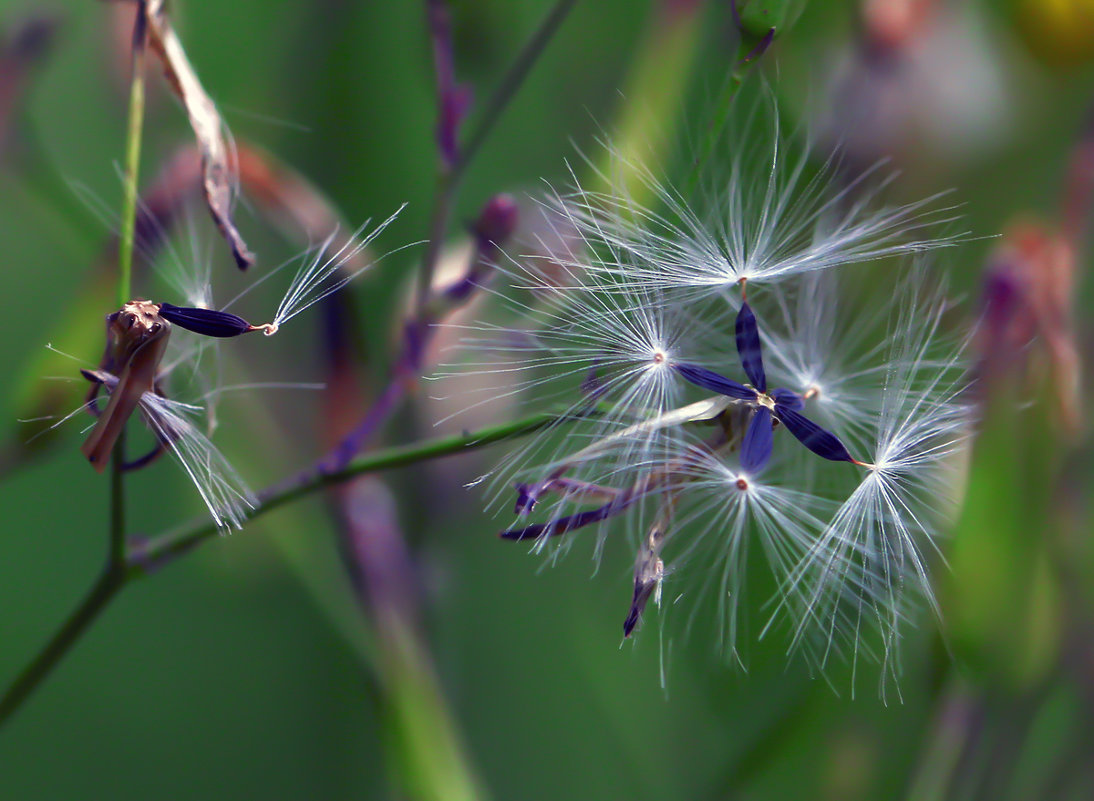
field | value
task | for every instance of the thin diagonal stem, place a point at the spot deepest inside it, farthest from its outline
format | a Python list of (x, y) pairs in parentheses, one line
[(163, 548), (449, 177), (512, 80), (140, 558), (723, 106)]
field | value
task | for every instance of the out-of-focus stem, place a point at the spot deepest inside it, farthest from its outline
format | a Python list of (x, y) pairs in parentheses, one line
[(423, 735), (644, 132), (512, 80), (954, 726), (140, 558), (722, 107)]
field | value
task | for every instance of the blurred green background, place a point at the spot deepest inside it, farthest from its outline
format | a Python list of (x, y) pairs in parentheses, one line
[(246, 669)]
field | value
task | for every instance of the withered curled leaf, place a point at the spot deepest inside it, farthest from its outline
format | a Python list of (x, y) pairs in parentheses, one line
[(217, 171)]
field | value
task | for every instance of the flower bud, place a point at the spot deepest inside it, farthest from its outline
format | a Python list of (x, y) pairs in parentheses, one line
[(497, 221)]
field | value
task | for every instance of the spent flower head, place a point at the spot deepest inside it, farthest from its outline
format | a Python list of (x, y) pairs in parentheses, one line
[(586, 344), (829, 423), (139, 358)]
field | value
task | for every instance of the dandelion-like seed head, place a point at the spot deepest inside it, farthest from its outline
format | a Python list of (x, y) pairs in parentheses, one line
[(805, 426)]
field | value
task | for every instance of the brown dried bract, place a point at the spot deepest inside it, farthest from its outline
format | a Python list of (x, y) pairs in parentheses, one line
[(217, 169), (136, 340)]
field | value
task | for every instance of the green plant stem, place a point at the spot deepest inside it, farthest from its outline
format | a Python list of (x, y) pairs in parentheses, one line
[(722, 107), (512, 80), (132, 162), (161, 548), (449, 178), (139, 558), (117, 573)]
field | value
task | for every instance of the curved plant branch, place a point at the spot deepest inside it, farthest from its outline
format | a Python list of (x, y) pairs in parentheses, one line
[(141, 558)]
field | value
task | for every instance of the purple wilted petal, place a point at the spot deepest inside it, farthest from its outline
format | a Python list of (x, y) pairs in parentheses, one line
[(563, 525), (748, 348), (206, 322), (527, 495), (821, 442), (710, 380), (758, 441), (788, 399)]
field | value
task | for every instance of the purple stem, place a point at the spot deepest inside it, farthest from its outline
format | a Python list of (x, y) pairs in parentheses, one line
[(382, 408), (453, 100), (375, 552), (494, 226)]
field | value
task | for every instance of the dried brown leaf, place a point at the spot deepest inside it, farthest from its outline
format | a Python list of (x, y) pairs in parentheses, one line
[(216, 157)]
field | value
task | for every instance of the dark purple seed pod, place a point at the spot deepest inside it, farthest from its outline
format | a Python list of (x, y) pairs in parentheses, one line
[(207, 322), (788, 399), (758, 442), (711, 381), (748, 348), (646, 580), (823, 443)]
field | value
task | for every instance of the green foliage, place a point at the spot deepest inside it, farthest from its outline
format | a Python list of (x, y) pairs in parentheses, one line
[(246, 668)]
